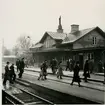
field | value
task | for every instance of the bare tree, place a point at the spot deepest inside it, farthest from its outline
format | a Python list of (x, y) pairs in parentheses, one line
[(22, 48), (6, 51), (15, 50), (23, 42)]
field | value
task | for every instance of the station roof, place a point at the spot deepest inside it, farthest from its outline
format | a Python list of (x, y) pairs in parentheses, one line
[(38, 45), (72, 37), (67, 38), (54, 35)]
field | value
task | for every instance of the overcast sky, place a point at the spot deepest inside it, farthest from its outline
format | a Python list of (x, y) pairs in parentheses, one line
[(34, 17)]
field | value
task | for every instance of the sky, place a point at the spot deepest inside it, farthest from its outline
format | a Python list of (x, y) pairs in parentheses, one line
[(35, 17)]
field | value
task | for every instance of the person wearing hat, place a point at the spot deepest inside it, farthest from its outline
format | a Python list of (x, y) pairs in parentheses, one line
[(6, 74), (22, 65), (76, 77), (60, 70), (44, 68), (18, 64), (12, 74), (86, 73)]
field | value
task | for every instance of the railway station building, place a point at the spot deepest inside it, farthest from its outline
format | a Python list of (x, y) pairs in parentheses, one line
[(78, 45)]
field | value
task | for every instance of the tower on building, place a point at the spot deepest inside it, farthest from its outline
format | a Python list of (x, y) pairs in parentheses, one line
[(60, 30)]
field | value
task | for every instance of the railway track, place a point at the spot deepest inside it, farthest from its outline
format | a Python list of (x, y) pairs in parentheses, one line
[(27, 97), (21, 96)]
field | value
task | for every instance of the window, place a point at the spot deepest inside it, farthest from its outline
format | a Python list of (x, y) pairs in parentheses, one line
[(94, 40), (90, 56)]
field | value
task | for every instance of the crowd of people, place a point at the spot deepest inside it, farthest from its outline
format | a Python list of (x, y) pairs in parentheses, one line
[(10, 71), (56, 68), (71, 66)]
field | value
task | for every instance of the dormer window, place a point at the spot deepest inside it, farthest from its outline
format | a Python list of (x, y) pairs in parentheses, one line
[(94, 40)]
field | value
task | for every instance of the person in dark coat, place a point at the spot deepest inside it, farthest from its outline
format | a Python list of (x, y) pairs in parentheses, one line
[(18, 64), (86, 71), (44, 69), (41, 72), (91, 65), (68, 65), (76, 77), (53, 65), (71, 64), (100, 66), (12, 74), (22, 65), (60, 71), (6, 75)]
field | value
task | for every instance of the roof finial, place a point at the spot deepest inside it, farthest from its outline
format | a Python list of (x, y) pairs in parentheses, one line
[(60, 20), (60, 30)]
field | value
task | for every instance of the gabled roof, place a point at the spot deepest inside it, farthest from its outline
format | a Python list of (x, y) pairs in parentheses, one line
[(38, 45), (54, 35), (72, 37)]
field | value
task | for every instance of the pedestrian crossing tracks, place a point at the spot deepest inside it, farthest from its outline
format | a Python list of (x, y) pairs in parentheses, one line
[(82, 94)]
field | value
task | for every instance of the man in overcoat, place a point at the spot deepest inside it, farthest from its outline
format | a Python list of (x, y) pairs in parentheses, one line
[(6, 75), (91, 65), (86, 71), (22, 65), (18, 64), (12, 74), (44, 69), (76, 77), (53, 65), (68, 65)]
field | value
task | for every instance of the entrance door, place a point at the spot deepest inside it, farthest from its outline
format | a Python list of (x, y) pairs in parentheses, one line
[(81, 61)]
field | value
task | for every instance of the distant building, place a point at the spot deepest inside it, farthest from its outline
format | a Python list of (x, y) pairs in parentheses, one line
[(9, 58), (78, 45)]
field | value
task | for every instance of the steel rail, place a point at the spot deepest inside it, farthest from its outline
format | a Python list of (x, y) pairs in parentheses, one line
[(11, 99), (34, 95)]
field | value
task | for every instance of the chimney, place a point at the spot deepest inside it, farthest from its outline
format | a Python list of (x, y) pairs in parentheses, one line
[(74, 28)]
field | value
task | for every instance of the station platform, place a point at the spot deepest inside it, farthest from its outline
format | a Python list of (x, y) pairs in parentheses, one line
[(83, 92), (89, 91), (97, 77)]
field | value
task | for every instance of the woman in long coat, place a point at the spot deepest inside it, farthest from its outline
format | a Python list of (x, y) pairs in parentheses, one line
[(76, 77), (60, 71), (43, 72), (86, 71)]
